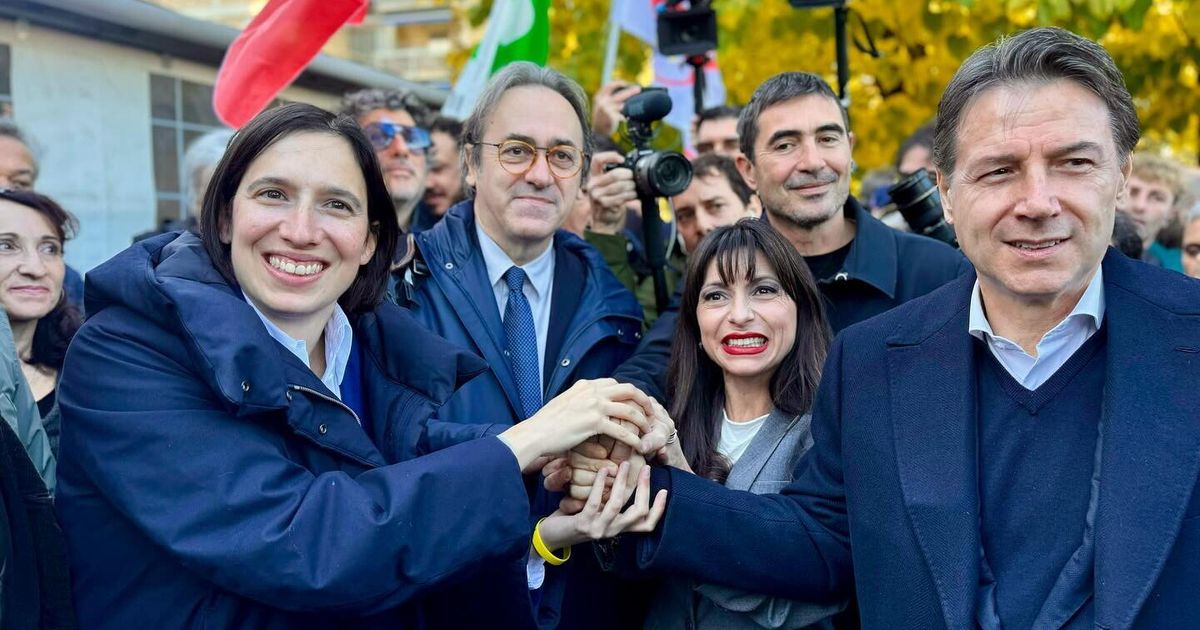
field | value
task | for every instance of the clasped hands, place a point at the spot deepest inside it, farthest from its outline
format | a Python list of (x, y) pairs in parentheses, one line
[(592, 442)]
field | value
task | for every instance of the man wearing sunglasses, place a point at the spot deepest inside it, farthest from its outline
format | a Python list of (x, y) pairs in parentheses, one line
[(497, 275), (393, 121)]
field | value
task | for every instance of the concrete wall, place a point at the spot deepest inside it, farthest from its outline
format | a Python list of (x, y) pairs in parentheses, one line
[(86, 106)]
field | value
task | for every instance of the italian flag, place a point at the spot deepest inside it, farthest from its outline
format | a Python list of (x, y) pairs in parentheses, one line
[(517, 30)]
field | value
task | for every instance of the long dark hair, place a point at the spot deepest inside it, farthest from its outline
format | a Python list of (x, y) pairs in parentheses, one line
[(54, 331), (257, 136), (697, 385)]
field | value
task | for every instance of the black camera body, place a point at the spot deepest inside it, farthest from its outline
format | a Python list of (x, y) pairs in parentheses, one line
[(687, 32), (919, 202), (655, 173)]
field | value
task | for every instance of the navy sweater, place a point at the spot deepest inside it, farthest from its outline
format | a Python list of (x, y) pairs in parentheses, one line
[(1036, 459)]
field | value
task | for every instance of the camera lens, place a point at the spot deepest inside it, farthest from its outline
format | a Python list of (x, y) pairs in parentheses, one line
[(917, 199), (666, 174)]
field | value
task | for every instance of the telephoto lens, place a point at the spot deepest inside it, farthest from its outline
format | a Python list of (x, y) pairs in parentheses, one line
[(917, 199)]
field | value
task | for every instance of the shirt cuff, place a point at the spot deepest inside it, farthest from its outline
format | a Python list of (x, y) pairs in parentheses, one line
[(535, 571)]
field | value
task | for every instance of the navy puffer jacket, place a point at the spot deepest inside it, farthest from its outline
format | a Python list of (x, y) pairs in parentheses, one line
[(209, 479)]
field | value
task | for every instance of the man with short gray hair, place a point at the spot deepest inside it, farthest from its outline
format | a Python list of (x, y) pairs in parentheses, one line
[(497, 275), (1018, 449)]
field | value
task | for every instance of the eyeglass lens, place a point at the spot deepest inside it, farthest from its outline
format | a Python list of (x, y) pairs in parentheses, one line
[(518, 157)]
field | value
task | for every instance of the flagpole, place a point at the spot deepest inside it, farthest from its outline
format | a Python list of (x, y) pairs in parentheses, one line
[(614, 36)]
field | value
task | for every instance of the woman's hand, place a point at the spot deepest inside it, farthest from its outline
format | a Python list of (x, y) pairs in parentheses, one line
[(662, 431), (660, 443), (602, 519), (587, 409)]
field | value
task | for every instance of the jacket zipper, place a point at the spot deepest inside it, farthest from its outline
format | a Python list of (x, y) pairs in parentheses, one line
[(331, 399)]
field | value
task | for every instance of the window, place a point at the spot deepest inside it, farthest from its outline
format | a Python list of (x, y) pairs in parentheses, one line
[(180, 112), (6, 104)]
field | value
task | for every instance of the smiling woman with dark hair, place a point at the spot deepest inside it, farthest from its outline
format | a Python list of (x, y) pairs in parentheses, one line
[(33, 230), (236, 407), (745, 365)]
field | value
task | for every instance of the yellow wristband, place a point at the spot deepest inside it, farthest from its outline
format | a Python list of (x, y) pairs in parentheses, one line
[(540, 547)]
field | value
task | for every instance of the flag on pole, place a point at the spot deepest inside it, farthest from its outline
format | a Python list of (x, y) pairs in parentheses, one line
[(273, 50), (640, 19), (517, 30)]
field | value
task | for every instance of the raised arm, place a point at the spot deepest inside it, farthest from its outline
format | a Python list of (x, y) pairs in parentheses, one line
[(224, 496)]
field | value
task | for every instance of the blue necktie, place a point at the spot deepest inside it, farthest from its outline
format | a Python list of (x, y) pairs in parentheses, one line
[(522, 343)]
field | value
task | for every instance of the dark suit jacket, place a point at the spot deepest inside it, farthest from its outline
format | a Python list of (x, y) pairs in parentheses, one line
[(888, 496)]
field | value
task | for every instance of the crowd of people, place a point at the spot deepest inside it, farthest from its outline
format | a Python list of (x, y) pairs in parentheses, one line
[(397, 370)]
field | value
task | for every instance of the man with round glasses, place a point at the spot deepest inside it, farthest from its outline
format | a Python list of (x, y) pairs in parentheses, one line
[(394, 123), (497, 275)]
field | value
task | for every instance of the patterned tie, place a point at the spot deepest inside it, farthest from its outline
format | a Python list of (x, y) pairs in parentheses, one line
[(522, 343)]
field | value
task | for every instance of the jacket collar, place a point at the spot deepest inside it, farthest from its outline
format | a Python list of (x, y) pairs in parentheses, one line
[(171, 280), (1151, 454), (872, 257), (932, 384), (762, 448)]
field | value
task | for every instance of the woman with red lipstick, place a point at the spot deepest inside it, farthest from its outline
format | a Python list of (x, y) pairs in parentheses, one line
[(33, 230), (745, 365), (237, 407)]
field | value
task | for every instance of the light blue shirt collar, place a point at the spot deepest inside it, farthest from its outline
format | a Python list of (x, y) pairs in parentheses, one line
[(540, 270), (339, 337), (1054, 348), (539, 274)]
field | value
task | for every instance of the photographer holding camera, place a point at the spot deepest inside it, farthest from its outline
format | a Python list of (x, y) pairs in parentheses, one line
[(622, 202), (796, 153), (610, 219)]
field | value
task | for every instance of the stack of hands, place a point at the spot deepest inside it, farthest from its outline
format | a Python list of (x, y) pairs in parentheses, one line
[(593, 442)]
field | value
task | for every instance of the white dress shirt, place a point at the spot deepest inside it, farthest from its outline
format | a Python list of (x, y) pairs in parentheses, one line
[(539, 280), (1054, 348), (339, 336)]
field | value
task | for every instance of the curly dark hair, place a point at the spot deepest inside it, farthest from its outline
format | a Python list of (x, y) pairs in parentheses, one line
[(55, 329), (363, 102)]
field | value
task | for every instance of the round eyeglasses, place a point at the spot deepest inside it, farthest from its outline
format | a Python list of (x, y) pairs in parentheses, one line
[(380, 134), (518, 157)]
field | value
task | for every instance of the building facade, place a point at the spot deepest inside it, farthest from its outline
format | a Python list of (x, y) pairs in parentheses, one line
[(110, 93)]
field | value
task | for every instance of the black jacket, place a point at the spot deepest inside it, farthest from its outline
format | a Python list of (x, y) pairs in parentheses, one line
[(884, 269), (35, 592)]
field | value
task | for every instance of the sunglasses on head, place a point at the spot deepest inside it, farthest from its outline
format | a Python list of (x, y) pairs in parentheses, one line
[(381, 134)]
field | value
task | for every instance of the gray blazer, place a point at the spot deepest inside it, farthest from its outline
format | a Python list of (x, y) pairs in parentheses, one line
[(765, 468)]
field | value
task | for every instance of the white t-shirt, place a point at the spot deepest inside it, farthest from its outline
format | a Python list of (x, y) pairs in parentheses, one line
[(736, 436)]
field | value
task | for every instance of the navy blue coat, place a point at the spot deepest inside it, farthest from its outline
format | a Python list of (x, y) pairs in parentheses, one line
[(888, 496), (209, 479), (595, 323)]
